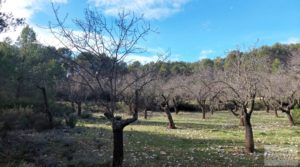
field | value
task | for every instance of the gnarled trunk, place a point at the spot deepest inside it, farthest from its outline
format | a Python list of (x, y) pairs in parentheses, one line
[(291, 120), (249, 141), (170, 118), (175, 106), (117, 126), (165, 106), (203, 113), (267, 108), (242, 120), (118, 147), (78, 108), (276, 113), (73, 106), (146, 113)]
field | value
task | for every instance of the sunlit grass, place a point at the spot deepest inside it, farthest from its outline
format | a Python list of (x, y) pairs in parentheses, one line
[(215, 141)]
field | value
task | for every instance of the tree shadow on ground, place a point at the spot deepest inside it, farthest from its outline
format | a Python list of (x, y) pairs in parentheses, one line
[(91, 146)]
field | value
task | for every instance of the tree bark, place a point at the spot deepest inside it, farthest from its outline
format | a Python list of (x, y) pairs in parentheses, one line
[(291, 120), (73, 106), (175, 106), (118, 147), (117, 126), (249, 141), (276, 113), (267, 108), (146, 113), (203, 113), (211, 110), (78, 108), (46, 105), (170, 118), (242, 121), (166, 108)]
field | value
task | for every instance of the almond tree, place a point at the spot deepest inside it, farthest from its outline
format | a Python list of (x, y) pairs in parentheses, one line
[(242, 83), (284, 93), (104, 38)]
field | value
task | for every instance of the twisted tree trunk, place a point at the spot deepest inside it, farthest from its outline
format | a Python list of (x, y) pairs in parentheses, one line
[(249, 141), (276, 113), (165, 106), (117, 126), (78, 108), (291, 120)]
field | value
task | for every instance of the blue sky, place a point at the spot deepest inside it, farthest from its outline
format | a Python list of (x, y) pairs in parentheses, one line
[(192, 29)]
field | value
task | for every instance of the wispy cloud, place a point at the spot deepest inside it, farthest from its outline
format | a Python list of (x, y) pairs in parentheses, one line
[(151, 9), (292, 40), (26, 9), (205, 53), (142, 59)]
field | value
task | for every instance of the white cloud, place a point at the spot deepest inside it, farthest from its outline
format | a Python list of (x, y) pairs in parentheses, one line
[(151, 9), (26, 9), (292, 40), (142, 59), (205, 53)]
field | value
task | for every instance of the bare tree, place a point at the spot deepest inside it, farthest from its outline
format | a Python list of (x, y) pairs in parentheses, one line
[(242, 83), (167, 88), (113, 39), (202, 88), (284, 93)]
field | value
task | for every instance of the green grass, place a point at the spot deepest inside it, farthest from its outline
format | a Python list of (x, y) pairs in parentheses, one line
[(216, 141)]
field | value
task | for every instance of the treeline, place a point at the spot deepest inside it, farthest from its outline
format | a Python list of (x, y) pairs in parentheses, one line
[(28, 65)]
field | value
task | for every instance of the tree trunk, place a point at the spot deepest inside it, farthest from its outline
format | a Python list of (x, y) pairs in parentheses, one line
[(73, 106), (78, 108), (118, 125), (276, 113), (203, 114), (170, 118), (118, 147), (46, 105), (267, 108), (249, 141), (146, 113), (130, 108), (291, 120), (175, 109), (175, 106), (242, 121)]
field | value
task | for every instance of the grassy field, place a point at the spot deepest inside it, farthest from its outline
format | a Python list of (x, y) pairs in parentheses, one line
[(216, 141)]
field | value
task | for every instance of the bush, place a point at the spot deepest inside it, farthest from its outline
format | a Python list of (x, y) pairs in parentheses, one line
[(59, 109), (86, 114), (296, 115), (71, 120), (184, 106), (259, 105), (24, 118)]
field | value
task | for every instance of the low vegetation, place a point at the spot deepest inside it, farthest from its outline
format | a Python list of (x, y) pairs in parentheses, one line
[(215, 141)]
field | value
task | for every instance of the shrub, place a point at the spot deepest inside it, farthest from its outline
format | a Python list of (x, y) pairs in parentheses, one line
[(296, 115), (24, 118), (59, 109), (259, 105), (185, 106), (71, 120), (86, 114)]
